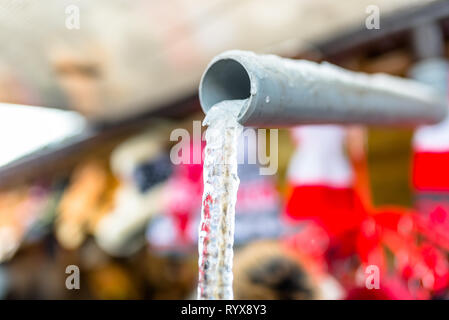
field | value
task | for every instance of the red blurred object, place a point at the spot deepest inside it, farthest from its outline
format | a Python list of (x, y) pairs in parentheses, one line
[(185, 188), (430, 171), (335, 209)]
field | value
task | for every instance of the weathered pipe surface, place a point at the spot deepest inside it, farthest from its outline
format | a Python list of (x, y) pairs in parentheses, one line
[(284, 92)]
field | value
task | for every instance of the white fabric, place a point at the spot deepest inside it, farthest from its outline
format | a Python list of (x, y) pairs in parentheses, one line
[(320, 158), (433, 138)]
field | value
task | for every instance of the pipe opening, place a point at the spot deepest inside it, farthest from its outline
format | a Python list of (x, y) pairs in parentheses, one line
[(225, 80)]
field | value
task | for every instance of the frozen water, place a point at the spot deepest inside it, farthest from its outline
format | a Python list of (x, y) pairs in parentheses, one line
[(216, 230)]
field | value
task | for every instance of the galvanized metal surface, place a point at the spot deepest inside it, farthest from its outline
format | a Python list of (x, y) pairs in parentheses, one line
[(284, 92)]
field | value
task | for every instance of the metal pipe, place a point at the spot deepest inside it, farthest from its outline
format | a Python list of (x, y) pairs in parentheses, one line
[(284, 92)]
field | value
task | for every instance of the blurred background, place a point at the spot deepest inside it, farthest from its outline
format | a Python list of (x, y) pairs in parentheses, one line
[(90, 92)]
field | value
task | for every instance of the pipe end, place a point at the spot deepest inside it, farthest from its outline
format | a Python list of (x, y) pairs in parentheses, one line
[(226, 78)]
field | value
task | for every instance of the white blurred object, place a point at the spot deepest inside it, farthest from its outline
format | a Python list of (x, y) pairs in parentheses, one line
[(330, 289), (134, 151), (10, 241), (118, 232), (320, 157), (25, 129), (433, 138), (122, 231)]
